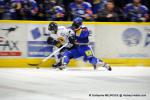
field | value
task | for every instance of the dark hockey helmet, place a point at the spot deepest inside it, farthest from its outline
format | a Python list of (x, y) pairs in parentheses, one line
[(77, 22), (53, 27)]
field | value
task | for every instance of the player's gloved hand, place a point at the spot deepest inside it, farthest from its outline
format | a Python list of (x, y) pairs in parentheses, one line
[(54, 42), (51, 41), (72, 40)]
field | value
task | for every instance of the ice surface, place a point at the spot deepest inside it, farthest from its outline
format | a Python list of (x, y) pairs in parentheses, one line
[(74, 84)]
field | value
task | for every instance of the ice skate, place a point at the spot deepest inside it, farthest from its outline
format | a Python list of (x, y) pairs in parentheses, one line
[(107, 66), (56, 65), (62, 67)]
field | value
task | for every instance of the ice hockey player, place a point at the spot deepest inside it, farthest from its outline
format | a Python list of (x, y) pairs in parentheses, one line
[(81, 48), (58, 37)]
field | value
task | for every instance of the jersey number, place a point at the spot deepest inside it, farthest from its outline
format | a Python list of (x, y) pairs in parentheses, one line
[(88, 53)]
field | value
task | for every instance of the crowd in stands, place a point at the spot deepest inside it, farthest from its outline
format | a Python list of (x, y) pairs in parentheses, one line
[(89, 10)]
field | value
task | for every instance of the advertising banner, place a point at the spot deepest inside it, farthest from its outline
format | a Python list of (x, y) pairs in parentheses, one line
[(13, 40), (123, 41), (37, 45)]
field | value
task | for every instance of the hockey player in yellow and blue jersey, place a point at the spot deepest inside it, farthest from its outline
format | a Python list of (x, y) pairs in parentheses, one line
[(81, 48)]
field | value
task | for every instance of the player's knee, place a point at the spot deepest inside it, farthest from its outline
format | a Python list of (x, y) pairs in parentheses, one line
[(93, 60), (66, 57), (67, 54), (65, 60)]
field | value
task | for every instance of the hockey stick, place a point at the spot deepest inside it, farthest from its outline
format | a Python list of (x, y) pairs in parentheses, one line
[(45, 59), (82, 43)]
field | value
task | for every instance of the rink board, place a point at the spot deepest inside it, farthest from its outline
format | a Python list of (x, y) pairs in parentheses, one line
[(21, 51), (23, 63)]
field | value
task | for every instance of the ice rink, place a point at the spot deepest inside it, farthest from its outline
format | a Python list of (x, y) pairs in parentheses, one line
[(122, 83)]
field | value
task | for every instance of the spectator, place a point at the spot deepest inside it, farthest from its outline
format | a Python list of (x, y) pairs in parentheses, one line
[(53, 10), (136, 12), (2, 8), (120, 3), (109, 13), (29, 10), (6, 9), (15, 7), (80, 8), (67, 11), (41, 12), (98, 5)]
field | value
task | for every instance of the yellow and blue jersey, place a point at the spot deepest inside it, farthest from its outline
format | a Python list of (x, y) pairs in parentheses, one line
[(82, 35)]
